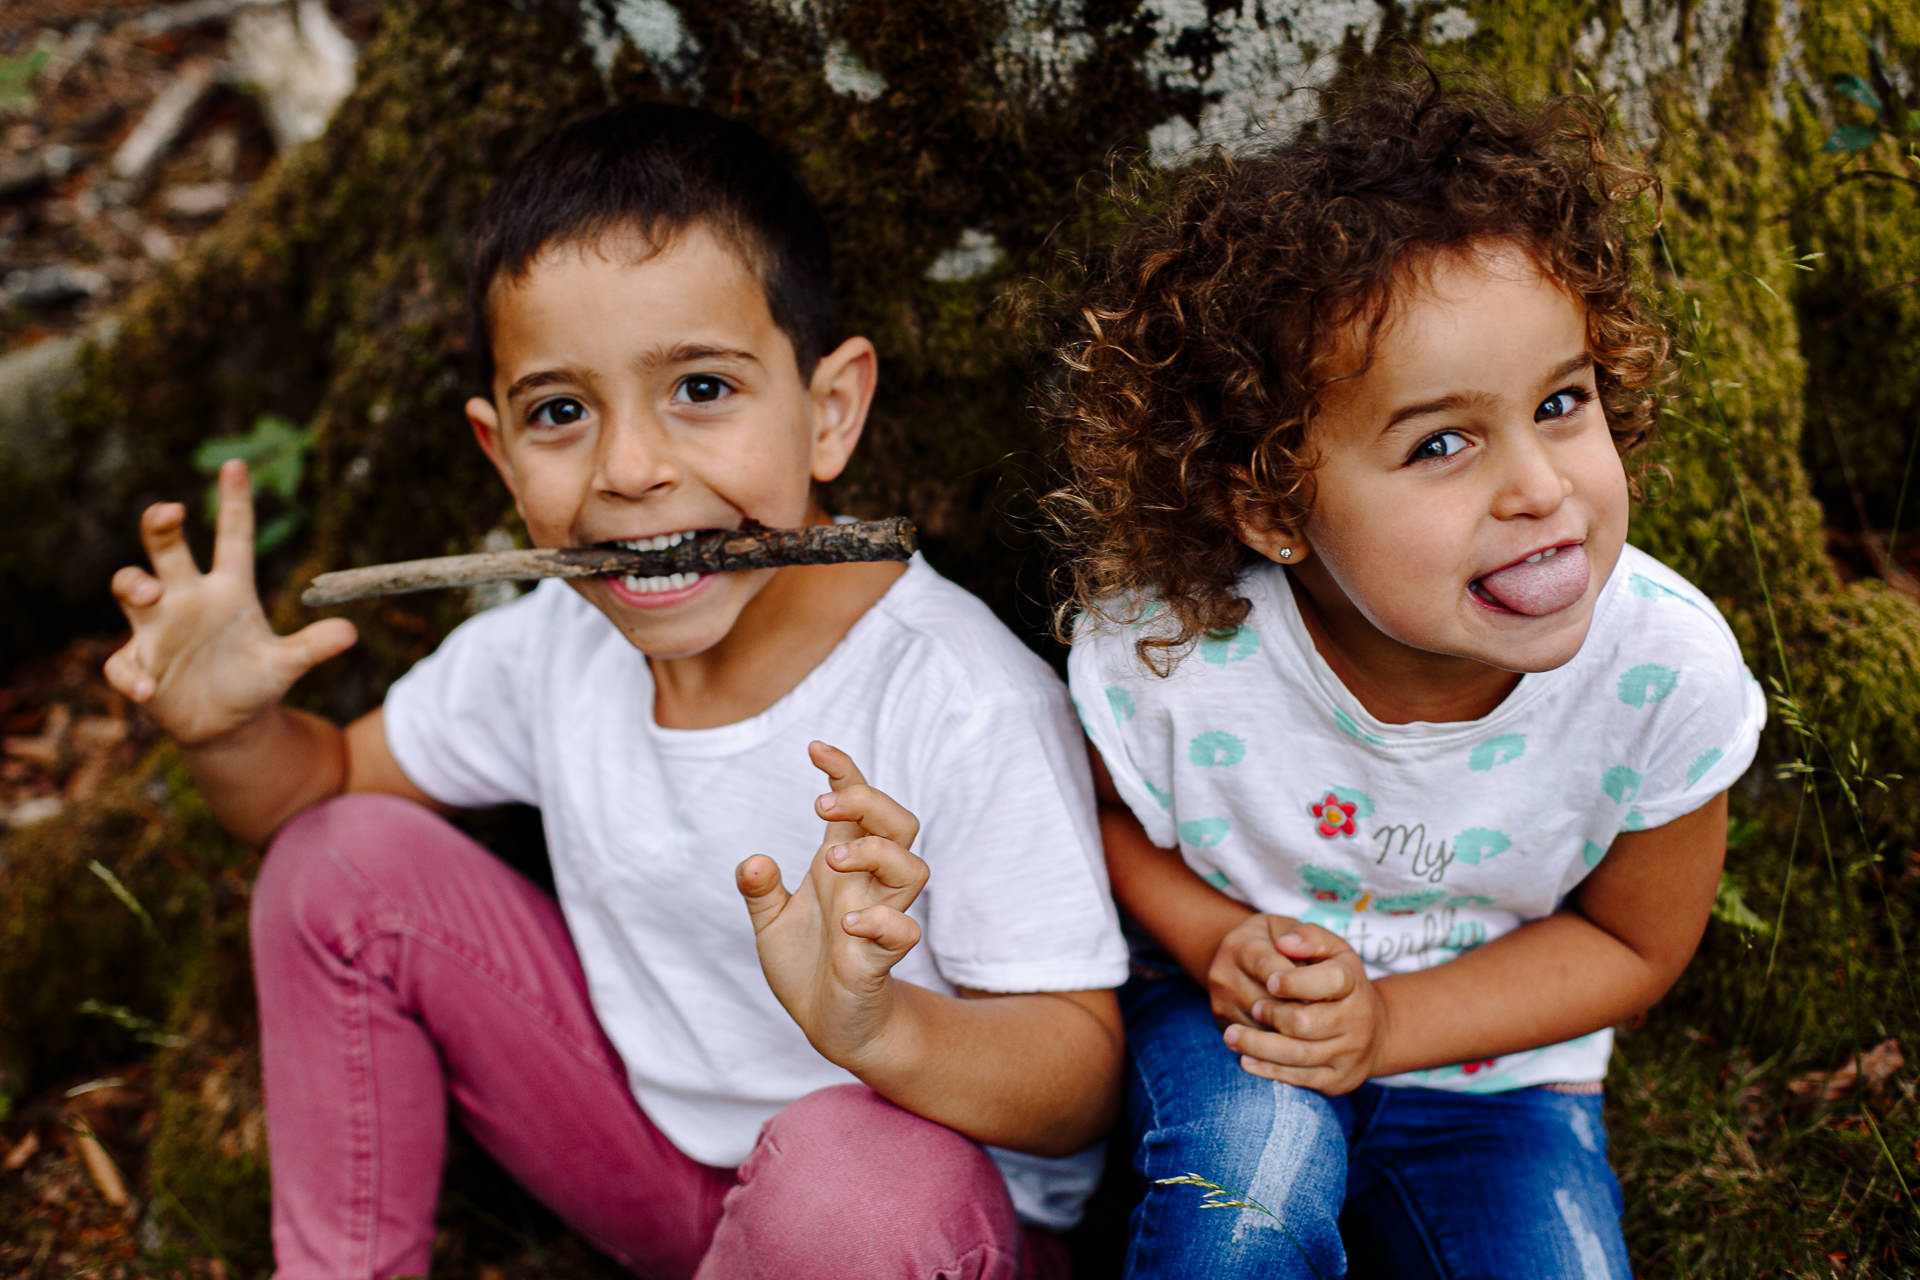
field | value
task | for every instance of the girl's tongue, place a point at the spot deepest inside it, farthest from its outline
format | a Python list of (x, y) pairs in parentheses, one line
[(1546, 585)]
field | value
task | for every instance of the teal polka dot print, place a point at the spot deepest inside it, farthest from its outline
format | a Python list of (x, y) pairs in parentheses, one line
[(1236, 646), (1120, 702), (1497, 751), (1352, 729), (1647, 683), (1359, 801), (1216, 750), (1476, 844), (1701, 763), (1620, 783), (1204, 833)]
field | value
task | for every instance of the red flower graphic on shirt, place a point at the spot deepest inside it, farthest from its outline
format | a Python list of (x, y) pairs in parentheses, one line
[(1336, 816), (1468, 1068)]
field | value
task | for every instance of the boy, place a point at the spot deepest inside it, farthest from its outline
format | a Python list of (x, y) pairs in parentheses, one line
[(785, 1090)]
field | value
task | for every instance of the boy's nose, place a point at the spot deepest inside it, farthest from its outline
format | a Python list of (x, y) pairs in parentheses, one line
[(1532, 481), (635, 457)]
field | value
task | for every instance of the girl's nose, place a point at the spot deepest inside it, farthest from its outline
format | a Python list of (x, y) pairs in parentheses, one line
[(1532, 481), (635, 457)]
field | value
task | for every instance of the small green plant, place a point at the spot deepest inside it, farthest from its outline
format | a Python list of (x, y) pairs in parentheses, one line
[(275, 452), (1892, 114), (16, 79)]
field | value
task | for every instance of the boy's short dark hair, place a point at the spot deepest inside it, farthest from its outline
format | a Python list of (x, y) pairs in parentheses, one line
[(656, 169)]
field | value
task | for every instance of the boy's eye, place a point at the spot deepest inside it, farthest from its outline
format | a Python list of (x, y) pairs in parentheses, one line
[(1561, 403), (561, 411), (701, 388), (1441, 444)]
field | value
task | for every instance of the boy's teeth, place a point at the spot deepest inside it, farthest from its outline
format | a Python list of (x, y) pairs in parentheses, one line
[(659, 542), (1538, 556), (663, 582)]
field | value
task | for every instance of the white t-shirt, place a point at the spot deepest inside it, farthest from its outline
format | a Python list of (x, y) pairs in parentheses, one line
[(1419, 841), (543, 702)]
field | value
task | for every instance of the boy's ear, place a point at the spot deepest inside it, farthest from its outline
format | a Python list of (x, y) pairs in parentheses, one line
[(486, 429), (1258, 530), (841, 391)]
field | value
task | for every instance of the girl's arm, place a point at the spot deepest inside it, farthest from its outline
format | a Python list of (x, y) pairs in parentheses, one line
[(1033, 1072), (1222, 943), (1613, 950)]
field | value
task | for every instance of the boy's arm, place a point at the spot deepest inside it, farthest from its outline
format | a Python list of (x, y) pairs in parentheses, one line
[(1612, 951), (256, 777), (205, 664), (1036, 1072)]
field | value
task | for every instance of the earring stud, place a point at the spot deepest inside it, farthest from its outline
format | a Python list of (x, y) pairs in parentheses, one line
[(1286, 553)]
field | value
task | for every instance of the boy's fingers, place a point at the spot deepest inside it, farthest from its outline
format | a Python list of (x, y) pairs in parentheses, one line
[(1312, 982), (758, 879), (161, 533), (882, 859), (873, 810), (233, 525), (135, 588), (128, 678), (314, 643), (892, 931)]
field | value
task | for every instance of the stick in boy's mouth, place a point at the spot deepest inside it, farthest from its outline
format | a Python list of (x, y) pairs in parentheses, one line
[(710, 551)]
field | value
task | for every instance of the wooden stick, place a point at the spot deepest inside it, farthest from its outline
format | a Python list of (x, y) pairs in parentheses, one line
[(722, 551)]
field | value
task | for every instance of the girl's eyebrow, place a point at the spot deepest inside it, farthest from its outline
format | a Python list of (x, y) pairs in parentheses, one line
[(1462, 399)]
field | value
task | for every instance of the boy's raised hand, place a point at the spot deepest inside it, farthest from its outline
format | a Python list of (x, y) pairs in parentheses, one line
[(1329, 1024), (203, 660), (829, 947)]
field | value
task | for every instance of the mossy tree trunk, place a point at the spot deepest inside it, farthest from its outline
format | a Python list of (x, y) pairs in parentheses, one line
[(953, 145)]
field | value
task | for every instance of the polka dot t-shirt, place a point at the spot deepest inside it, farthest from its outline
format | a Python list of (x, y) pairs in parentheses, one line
[(1417, 842)]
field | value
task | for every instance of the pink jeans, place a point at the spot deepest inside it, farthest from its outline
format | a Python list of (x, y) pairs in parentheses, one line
[(400, 964)]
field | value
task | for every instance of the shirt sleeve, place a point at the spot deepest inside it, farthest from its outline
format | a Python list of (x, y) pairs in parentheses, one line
[(1017, 887), (457, 722), (1110, 711), (1707, 711)]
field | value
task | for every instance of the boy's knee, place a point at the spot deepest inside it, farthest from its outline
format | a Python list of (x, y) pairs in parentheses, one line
[(844, 1183), (306, 864)]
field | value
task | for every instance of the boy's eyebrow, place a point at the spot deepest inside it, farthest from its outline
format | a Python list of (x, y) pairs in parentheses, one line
[(688, 352), (659, 357), (543, 377), (1461, 399)]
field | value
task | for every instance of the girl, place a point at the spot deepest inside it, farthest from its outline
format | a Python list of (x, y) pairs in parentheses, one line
[(1414, 770)]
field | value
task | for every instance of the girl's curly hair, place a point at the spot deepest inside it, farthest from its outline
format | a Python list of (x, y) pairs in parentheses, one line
[(1204, 339)]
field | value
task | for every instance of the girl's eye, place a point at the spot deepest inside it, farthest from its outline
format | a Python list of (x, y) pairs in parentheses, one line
[(1562, 404), (1441, 444), (561, 411), (701, 388)]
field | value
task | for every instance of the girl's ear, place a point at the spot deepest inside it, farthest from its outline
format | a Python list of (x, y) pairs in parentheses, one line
[(485, 422), (1258, 530), (841, 391)]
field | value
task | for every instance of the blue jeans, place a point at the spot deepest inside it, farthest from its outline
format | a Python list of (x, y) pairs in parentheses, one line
[(1399, 1182)]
